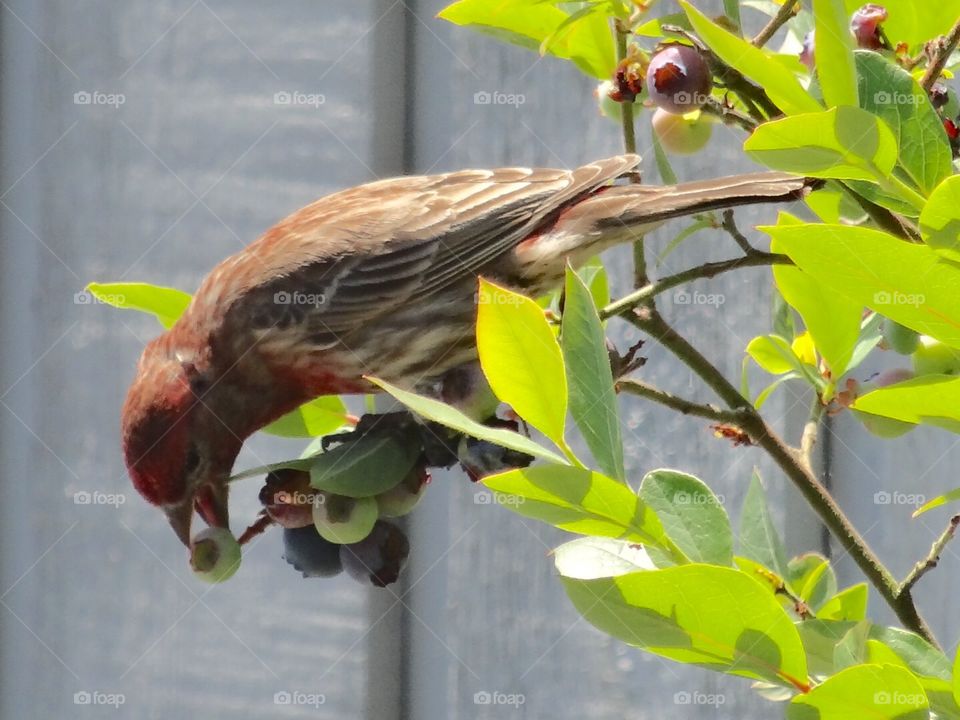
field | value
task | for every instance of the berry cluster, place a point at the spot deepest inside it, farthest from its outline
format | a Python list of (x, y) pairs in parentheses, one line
[(325, 533)]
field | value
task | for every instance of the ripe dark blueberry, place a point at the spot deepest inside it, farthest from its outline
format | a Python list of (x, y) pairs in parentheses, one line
[(288, 498), (806, 54), (865, 25), (378, 558), (311, 554), (678, 79), (939, 95)]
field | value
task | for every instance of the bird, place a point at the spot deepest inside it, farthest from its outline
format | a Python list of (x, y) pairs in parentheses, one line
[(376, 280)]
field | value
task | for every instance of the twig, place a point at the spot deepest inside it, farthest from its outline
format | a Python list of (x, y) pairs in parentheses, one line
[(790, 462), (776, 22), (675, 402), (932, 558), (707, 270), (811, 429), (621, 34), (730, 225), (944, 50), (728, 115)]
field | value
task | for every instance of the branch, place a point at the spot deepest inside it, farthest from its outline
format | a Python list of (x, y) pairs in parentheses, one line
[(621, 34), (728, 115), (793, 466), (810, 430), (932, 558), (674, 402), (730, 225), (707, 270), (944, 50), (776, 22)]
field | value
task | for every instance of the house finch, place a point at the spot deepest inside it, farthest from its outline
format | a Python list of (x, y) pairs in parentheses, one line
[(375, 280)]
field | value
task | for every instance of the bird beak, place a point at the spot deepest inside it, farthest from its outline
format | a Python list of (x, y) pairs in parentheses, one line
[(210, 501), (180, 517)]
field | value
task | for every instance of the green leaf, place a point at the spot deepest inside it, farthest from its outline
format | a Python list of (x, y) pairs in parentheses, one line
[(587, 41), (940, 219), (849, 604), (166, 304), (906, 282), (757, 64), (928, 399), (892, 94), (813, 579), (852, 648), (313, 419), (593, 402), (715, 617), (731, 8), (863, 691), (521, 358), (588, 558), (838, 76), (365, 467), (664, 168), (452, 418), (765, 394), (870, 336), (579, 501), (955, 684), (759, 540), (833, 320), (843, 142), (594, 275), (947, 497), (773, 354), (692, 516)]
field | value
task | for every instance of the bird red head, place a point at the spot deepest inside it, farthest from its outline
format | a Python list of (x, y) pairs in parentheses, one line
[(177, 458)]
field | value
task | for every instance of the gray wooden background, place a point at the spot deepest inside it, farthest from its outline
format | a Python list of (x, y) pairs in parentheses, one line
[(96, 601)]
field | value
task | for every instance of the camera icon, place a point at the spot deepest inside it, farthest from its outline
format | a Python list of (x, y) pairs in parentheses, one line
[(682, 297), (282, 98), (882, 97), (482, 498), (482, 98), (82, 98), (882, 497), (82, 497), (882, 297), (682, 698), (82, 298), (282, 298), (82, 698), (282, 698), (482, 698), (881, 698)]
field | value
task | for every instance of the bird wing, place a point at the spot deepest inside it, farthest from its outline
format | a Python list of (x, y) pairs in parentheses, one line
[(364, 252)]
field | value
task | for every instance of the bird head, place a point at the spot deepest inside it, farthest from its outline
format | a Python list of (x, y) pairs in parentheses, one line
[(178, 452)]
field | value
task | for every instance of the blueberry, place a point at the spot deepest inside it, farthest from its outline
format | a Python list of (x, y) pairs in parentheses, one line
[(405, 495), (288, 498), (678, 79), (214, 555), (865, 25), (482, 457), (378, 558), (341, 519), (311, 554)]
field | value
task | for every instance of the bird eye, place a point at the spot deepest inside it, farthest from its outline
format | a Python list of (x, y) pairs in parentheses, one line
[(192, 460)]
